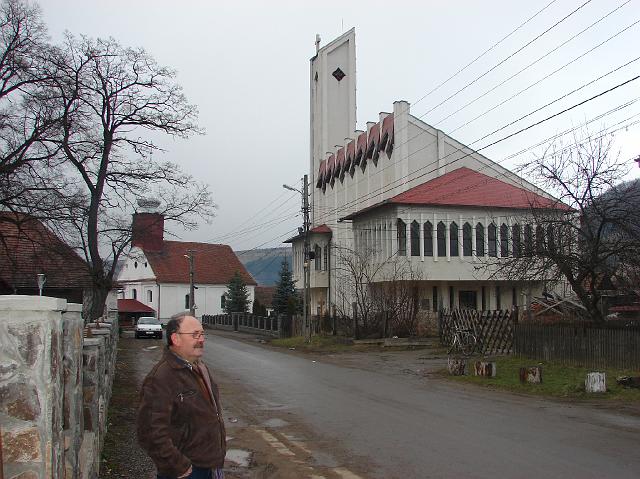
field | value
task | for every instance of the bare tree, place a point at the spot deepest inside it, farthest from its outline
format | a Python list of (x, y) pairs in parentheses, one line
[(591, 236), (108, 96)]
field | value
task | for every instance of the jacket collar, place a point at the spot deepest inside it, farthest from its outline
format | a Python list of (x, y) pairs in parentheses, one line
[(176, 361)]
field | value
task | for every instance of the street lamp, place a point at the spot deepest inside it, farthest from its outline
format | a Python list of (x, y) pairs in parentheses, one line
[(42, 279), (307, 270)]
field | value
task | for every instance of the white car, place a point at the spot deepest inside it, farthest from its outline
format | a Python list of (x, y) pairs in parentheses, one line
[(148, 326)]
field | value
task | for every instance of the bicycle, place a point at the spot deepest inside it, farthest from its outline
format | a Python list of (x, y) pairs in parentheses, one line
[(464, 341)]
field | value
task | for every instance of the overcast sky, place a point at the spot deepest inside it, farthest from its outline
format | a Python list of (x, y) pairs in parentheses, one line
[(246, 65)]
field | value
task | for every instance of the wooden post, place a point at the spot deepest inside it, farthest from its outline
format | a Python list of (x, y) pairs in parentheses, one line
[(531, 375), (485, 368), (456, 366), (595, 383)]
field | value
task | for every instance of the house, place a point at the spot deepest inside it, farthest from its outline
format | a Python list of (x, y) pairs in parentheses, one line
[(29, 249), (264, 297), (156, 272), (408, 197)]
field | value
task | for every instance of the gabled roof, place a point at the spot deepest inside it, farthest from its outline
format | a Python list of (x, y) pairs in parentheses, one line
[(133, 306), (467, 187), (322, 229), (28, 248), (213, 263), (264, 295)]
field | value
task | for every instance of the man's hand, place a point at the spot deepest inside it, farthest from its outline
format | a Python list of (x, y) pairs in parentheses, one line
[(186, 474)]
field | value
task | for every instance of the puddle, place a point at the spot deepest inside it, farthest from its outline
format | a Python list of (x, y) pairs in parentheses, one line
[(275, 422), (238, 457)]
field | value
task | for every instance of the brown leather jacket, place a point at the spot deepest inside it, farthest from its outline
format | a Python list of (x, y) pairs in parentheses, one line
[(178, 426)]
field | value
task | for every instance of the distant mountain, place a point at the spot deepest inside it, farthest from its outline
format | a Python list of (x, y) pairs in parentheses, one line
[(264, 264)]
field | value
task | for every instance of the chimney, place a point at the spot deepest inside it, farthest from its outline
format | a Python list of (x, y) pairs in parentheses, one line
[(148, 231)]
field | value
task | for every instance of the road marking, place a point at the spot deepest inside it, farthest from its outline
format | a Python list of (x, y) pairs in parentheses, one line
[(345, 473), (281, 448)]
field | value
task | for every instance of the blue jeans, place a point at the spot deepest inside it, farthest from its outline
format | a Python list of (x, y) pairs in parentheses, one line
[(199, 473)]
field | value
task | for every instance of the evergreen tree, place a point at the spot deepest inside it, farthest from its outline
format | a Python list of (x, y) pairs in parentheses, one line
[(237, 296), (285, 299)]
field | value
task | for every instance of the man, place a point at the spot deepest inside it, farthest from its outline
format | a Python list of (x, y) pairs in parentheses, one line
[(180, 422)]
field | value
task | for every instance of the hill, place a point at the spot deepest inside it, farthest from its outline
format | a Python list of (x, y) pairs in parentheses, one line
[(264, 264)]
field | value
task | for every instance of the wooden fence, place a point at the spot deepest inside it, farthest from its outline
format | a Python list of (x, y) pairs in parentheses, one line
[(493, 329), (594, 347)]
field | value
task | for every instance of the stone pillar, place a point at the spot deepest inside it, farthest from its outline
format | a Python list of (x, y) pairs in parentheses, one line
[(31, 368), (93, 402), (72, 324)]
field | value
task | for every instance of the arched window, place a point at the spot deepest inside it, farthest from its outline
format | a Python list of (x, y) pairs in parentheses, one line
[(504, 240), (516, 240), (539, 239), (415, 238), (134, 293), (318, 259), (528, 240), (466, 240), (453, 239), (402, 237), (428, 239), (493, 240), (441, 239), (480, 239)]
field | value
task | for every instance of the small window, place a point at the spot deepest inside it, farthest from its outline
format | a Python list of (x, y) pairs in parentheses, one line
[(145, 265), (516, 240), (326, 258), (434, 294), (498, 297), (504, 241), (528, 240), (415, 239), (428, 239), (134, 293), (424, 304), (480, 239), (149, 296), (318, 259), (135, 264), (186, 301), (451, 299), (441, 239), (453, 239), (402, 237), (539, 239), (223, 300), (466, 239), (493, 243)]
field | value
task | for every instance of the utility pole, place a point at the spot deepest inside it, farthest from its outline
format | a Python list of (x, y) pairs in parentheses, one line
[(192, 303), (307, 264)]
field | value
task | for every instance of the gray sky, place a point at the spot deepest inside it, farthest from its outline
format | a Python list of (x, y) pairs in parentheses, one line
[(246, 65)]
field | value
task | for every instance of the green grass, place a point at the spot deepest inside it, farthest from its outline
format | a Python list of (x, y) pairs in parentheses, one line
[(327, 344), (557, 380)]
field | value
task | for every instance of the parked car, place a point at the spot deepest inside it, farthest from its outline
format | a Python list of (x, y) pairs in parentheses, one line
[(148, 326)]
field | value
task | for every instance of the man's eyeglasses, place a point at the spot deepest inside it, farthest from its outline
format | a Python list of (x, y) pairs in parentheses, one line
[(195, 334)]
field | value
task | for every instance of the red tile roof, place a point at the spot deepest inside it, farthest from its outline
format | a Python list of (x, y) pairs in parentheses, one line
[(27, 248), (320, 229), (133, 306), (467, 187), (264, 295), (213, 263)]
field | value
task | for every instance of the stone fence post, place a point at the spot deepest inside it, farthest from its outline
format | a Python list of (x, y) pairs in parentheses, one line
[(31, 392)]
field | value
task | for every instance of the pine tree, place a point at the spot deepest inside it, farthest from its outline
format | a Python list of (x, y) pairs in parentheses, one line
[(285, 299), (237, 296)]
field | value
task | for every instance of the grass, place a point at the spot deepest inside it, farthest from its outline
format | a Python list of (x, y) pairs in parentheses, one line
[(326, 344), (557, 380)]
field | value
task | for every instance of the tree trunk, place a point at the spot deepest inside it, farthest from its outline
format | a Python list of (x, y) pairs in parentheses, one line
[(94, 302)]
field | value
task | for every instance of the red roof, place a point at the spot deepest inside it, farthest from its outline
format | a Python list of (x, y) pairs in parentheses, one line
[(28, 248), (320, 229), (213, 263), (264, 295), (133, 306)]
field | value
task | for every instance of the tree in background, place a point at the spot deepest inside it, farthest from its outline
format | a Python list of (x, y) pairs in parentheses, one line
[(258, 308), (237, 295), (285, 299)]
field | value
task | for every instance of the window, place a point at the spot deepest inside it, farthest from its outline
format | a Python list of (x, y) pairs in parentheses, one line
[(480, 239), (223, 300), (453, 239), (134, 293), (539, 239), (149, 296), (424, 304), (415, 238), (402, 237), (434, 301), (504, 241), (441, 239), (428, 239), (528, 240), (186, 301), (498, 297), (484, 298), (514, 297), (450, 297), (135, 264), (466, 240), (516, 240), (468, 300), (326, 258), (318, 259), (493, 243), (551, 243)]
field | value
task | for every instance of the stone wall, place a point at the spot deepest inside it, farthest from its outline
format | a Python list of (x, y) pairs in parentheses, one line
[(54, 388)]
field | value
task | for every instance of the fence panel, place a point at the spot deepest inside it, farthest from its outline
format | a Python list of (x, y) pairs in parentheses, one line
[(493, 329), (597, 347)]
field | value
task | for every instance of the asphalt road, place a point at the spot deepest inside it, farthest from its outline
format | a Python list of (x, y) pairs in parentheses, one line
[(408, 427)]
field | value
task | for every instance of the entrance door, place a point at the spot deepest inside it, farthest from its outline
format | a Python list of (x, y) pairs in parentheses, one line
[(468, 300)]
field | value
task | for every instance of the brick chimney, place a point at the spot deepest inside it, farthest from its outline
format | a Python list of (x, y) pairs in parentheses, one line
[(148, 231)]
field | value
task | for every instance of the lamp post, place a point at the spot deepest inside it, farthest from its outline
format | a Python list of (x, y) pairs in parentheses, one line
[(307, 258), (192, 303), (42, 279)]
